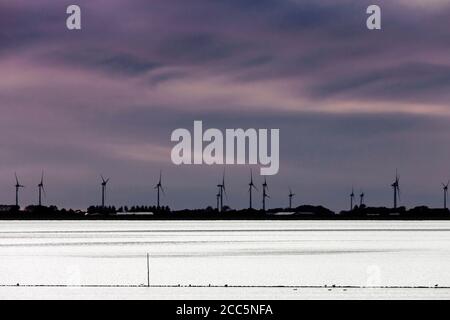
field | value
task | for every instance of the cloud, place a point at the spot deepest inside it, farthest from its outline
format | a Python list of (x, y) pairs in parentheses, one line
[(349, 102)]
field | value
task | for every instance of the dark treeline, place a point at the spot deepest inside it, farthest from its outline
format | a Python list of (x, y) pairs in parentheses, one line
[(134, 209), (420, 212), (304, 212)]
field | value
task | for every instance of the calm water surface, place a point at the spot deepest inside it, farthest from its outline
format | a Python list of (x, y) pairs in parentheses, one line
[(233, 253)]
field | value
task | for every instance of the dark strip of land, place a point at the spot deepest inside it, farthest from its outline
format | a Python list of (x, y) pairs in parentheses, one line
[(304, 212)]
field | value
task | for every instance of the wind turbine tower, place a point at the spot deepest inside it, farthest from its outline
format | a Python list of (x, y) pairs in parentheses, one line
[(396, 187), (265, 195), (222, 190), (352, 196), (41, 188), (159, 187), (361, 198), (18, 186), (445, 187), (218, 200), (250, 187), (104, 183), (290, 198)]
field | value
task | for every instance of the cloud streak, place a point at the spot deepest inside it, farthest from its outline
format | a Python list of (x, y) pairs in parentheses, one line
[(350, 103)]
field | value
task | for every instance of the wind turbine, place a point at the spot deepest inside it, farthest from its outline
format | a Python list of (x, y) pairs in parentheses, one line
[(159, 187), (218, 200), (265, 195), (41, 188), (219, 197), (250, 187), (104, 183), (445, 187), (18, 186), (222, 190), (352, 196), (290, 198), (396, 187), (361, 198)]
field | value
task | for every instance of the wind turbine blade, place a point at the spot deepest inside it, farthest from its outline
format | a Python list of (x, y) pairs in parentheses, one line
[(255, 188), (103, 179), (223, 179), (164, 192), (225, 192), (42, 177), (17, 180)]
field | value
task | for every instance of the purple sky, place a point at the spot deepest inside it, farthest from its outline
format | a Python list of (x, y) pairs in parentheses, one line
[(352, 105)]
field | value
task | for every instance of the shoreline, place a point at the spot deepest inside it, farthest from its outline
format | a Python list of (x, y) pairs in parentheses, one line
[(222, 293)]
